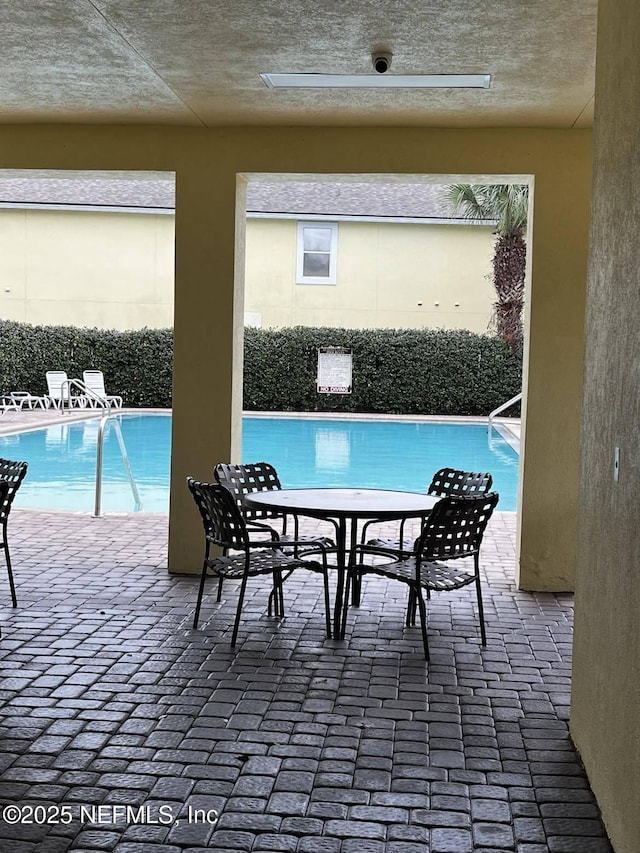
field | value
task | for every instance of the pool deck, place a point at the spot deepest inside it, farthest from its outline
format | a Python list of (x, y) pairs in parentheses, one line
[(290, 742), (11, 421)]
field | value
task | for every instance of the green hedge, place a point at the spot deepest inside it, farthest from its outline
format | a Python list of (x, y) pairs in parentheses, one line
[(431, 372), (406, 371), (137, 365)]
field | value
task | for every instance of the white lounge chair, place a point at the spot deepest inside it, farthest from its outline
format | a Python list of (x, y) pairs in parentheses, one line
[(26, 400), (94, 383), (7, 404), (16, 401), (61, 392)]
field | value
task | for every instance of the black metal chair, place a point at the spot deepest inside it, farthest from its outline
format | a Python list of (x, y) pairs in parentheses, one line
[(447, 482), (11, 476), (242, 480), (225, 527), (453, 530)]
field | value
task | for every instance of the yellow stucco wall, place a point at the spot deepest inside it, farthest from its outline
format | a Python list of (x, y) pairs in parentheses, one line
[(115, 270), (389, 275), (103, 269), (207, 390), (605, 702)]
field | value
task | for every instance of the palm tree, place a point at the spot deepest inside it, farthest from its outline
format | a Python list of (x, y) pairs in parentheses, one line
[(507, 205)]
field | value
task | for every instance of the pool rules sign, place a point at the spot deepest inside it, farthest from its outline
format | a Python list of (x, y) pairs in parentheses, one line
[(334, 370)]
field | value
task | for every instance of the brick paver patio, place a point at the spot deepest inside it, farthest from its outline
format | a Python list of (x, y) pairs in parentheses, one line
[(290, 742)]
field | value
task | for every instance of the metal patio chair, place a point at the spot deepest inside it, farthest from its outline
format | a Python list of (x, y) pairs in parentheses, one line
[(241, 480), (452, 531), (447, 482), (11, 476), (225, 527)]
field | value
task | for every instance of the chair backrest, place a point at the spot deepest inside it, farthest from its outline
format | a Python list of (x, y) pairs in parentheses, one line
[(55, 381), (455, 527), (222, 520), (241, 480), (94, 381), (12, 473), (451, 481)]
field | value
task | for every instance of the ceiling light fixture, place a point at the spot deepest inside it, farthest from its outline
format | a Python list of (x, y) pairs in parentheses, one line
[(376, 81)]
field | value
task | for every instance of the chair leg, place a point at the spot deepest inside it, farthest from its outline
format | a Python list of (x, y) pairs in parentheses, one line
[(356, 590), (272, 604), (203, 578), (279, 594), (296, 533), (327, 602), (12, 587), (483, 633), (236, 624), (411, 606), (401, 533), (422, 607), (411, 609), (356, 593), (219, 595), (345, 606), (275, 603)]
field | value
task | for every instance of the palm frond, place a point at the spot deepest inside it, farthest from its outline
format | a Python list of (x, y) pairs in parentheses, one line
[(469, 200), (505, 204)]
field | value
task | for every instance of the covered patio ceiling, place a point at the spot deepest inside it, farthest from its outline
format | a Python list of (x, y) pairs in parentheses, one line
[(198, 64)]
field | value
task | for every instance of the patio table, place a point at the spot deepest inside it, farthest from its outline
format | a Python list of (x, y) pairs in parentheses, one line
[(343, 507)]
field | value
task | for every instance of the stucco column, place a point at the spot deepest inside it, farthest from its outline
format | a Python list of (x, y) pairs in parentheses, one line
[(207, 384), (552, 379)]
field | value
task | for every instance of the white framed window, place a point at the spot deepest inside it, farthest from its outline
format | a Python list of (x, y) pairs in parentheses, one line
[(317, 252)]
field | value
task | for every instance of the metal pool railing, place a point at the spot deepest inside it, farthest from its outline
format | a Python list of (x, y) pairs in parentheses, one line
[(502, 408), (113, 421)]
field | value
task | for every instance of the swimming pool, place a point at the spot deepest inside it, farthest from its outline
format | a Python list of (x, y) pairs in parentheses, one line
[(394, 454)]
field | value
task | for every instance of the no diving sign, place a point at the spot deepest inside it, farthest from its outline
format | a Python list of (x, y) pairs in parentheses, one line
[(334, 370)]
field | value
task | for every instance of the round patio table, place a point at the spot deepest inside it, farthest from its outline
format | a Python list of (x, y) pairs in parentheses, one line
[(344, 507)]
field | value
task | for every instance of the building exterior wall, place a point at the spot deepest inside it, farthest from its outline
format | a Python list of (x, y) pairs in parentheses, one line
[(98, 269), (605, 720), (116, 271), (389, 275)]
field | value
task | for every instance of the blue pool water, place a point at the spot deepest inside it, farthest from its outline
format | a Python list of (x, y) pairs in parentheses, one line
[(389, 454)]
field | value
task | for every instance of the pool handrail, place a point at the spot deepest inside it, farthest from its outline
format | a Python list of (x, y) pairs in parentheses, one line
[(88, 393), (502, 408), (112, 420)]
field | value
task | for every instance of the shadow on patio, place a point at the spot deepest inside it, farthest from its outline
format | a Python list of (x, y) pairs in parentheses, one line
[(290, 742)]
